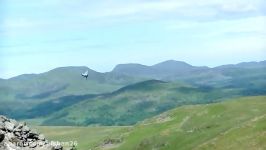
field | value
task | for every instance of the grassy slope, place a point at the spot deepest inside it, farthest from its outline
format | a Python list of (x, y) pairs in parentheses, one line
[(135, 103), (86, 137), (237, 124), (230, 125)]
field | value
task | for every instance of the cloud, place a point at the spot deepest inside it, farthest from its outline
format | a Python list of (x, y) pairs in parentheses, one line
[(241, 6), (197, 8), (58, 13), (140, 8), (130, 30), (18, 23), (254, 25)]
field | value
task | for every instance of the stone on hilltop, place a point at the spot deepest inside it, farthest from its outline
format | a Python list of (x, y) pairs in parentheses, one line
[(2, 118), (25, 129), (18, 136), (2, 137), (2, 125), (41, 137), (9, 126)]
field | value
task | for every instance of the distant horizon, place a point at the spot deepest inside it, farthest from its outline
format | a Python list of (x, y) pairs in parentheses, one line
[(131, 63), (40, 35)]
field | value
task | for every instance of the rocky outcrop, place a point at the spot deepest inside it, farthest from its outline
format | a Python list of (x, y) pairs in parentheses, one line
[(18, 136)]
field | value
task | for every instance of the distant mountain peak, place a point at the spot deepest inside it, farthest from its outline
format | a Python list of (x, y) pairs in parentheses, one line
[(157, 71), (131, 65), (133, 68), (252, 64), (172, 63), (72, 68)]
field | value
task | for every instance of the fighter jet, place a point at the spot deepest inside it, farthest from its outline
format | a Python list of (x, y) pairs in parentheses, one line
[(85, 74)]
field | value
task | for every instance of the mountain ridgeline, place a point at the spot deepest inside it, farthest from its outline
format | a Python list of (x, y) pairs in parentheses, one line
[(162, 70), (128, 94)]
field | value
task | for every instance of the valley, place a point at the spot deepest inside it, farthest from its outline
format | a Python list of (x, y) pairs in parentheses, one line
[(234, 124)]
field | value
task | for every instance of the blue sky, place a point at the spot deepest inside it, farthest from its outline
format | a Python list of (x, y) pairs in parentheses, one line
[(39, 35)]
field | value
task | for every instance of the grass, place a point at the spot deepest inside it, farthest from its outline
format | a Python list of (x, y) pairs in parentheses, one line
[(86, 137), (134, 103), (236, 124), (215, 126)]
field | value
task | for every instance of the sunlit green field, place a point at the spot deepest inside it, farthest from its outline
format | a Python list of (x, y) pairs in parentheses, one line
[(236, 124), (86, 137)]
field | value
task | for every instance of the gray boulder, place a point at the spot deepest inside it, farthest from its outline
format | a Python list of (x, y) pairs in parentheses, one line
[(2, 137), (9, 126), (2, 125), (18, 136), (41, 137), (25, 129), (2, 118)]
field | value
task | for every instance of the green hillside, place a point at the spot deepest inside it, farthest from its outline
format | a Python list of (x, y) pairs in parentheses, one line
[(128, 94), (61, 82), (236, 124), (86, 137), (134, 103), (24, 92)]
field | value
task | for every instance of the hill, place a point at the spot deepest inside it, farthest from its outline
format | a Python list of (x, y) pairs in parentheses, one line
[(237, 124), (24, 92), (161, 70), (172, 70), (61, 82), (234, 124), (58, 96), (131, 104)]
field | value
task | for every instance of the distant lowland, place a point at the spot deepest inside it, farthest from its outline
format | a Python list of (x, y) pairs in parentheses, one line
[(129, 94)]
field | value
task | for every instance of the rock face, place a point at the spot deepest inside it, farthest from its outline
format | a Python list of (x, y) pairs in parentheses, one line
[(18, 136)]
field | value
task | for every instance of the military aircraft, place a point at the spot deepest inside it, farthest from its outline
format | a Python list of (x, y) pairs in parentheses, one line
[(85, 74)]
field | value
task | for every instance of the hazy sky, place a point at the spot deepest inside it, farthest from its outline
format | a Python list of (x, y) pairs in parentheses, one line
[(39, 35)]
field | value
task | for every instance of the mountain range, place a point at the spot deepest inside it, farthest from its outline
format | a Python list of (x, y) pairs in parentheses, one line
[(126, 95)]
